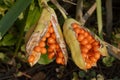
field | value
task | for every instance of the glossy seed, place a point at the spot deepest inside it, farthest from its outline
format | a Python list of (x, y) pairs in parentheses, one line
[(51, 40), (42, 44), (59, 60), (84, 50), (51, 55), (96, 43), (31, 58), (52, 46), (88, 63), (77, 30), (91, 41), (93, 59), (88, 66), (89, 38), (80, 37), (97, 55), (88, 46), (50, 50), (37, 49), (82, 31), (84, 42), (51, 30), (95, 48), (84, 55), (47, 35), (75, 25), (60, 54), (43, 51), (86, 34), (57, 47), (53, 36), (43, 39)]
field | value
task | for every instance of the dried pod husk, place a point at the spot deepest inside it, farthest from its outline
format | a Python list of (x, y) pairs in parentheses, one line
[(41, 39), (85, 46)]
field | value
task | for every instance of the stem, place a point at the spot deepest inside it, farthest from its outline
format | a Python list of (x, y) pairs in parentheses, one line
[(109, 18), (89, 13), (21, 33), (114, 51), (61, 9), (99, 18), (42, 3), (70, 2), (20, 40), (79, 11)]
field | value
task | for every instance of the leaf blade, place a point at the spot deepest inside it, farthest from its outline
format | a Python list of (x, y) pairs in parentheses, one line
[(11, 16)]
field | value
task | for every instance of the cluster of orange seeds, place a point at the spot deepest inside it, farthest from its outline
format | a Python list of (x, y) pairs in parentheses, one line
[(49, 45), (88, 45)]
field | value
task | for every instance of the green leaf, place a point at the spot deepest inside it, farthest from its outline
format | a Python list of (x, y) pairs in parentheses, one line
[(2, 56), (44, 59), (81, 74), (8, 40), (9, 3), (10, 17), (75, 76), (33, 16), (116, 78), (117, 35), (23, 48), (108, 60), (19, 65), (93, 73)]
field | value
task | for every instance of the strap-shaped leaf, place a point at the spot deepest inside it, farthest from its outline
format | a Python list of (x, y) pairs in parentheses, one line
[(10, 17)]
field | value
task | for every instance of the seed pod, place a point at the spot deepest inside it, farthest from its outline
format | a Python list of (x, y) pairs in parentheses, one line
[(46, 32), (85, 46)]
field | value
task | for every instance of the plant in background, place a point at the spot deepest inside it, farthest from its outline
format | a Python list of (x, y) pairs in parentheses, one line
[(44, 41)]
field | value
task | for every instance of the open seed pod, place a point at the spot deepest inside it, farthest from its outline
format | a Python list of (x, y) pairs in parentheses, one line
[(86, 48), (46, 39)]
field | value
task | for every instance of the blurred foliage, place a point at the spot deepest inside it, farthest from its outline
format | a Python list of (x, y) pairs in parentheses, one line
[(5, 5), (8, 40), (16, 35), (108, 61)]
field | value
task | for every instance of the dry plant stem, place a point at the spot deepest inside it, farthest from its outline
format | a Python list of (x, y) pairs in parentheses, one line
[(6, 77), (70, 2), (89, 13), (26, 75), (22, 74), (113, 50), (62, 10), (79, 11), (109, 17), (79, 14)]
